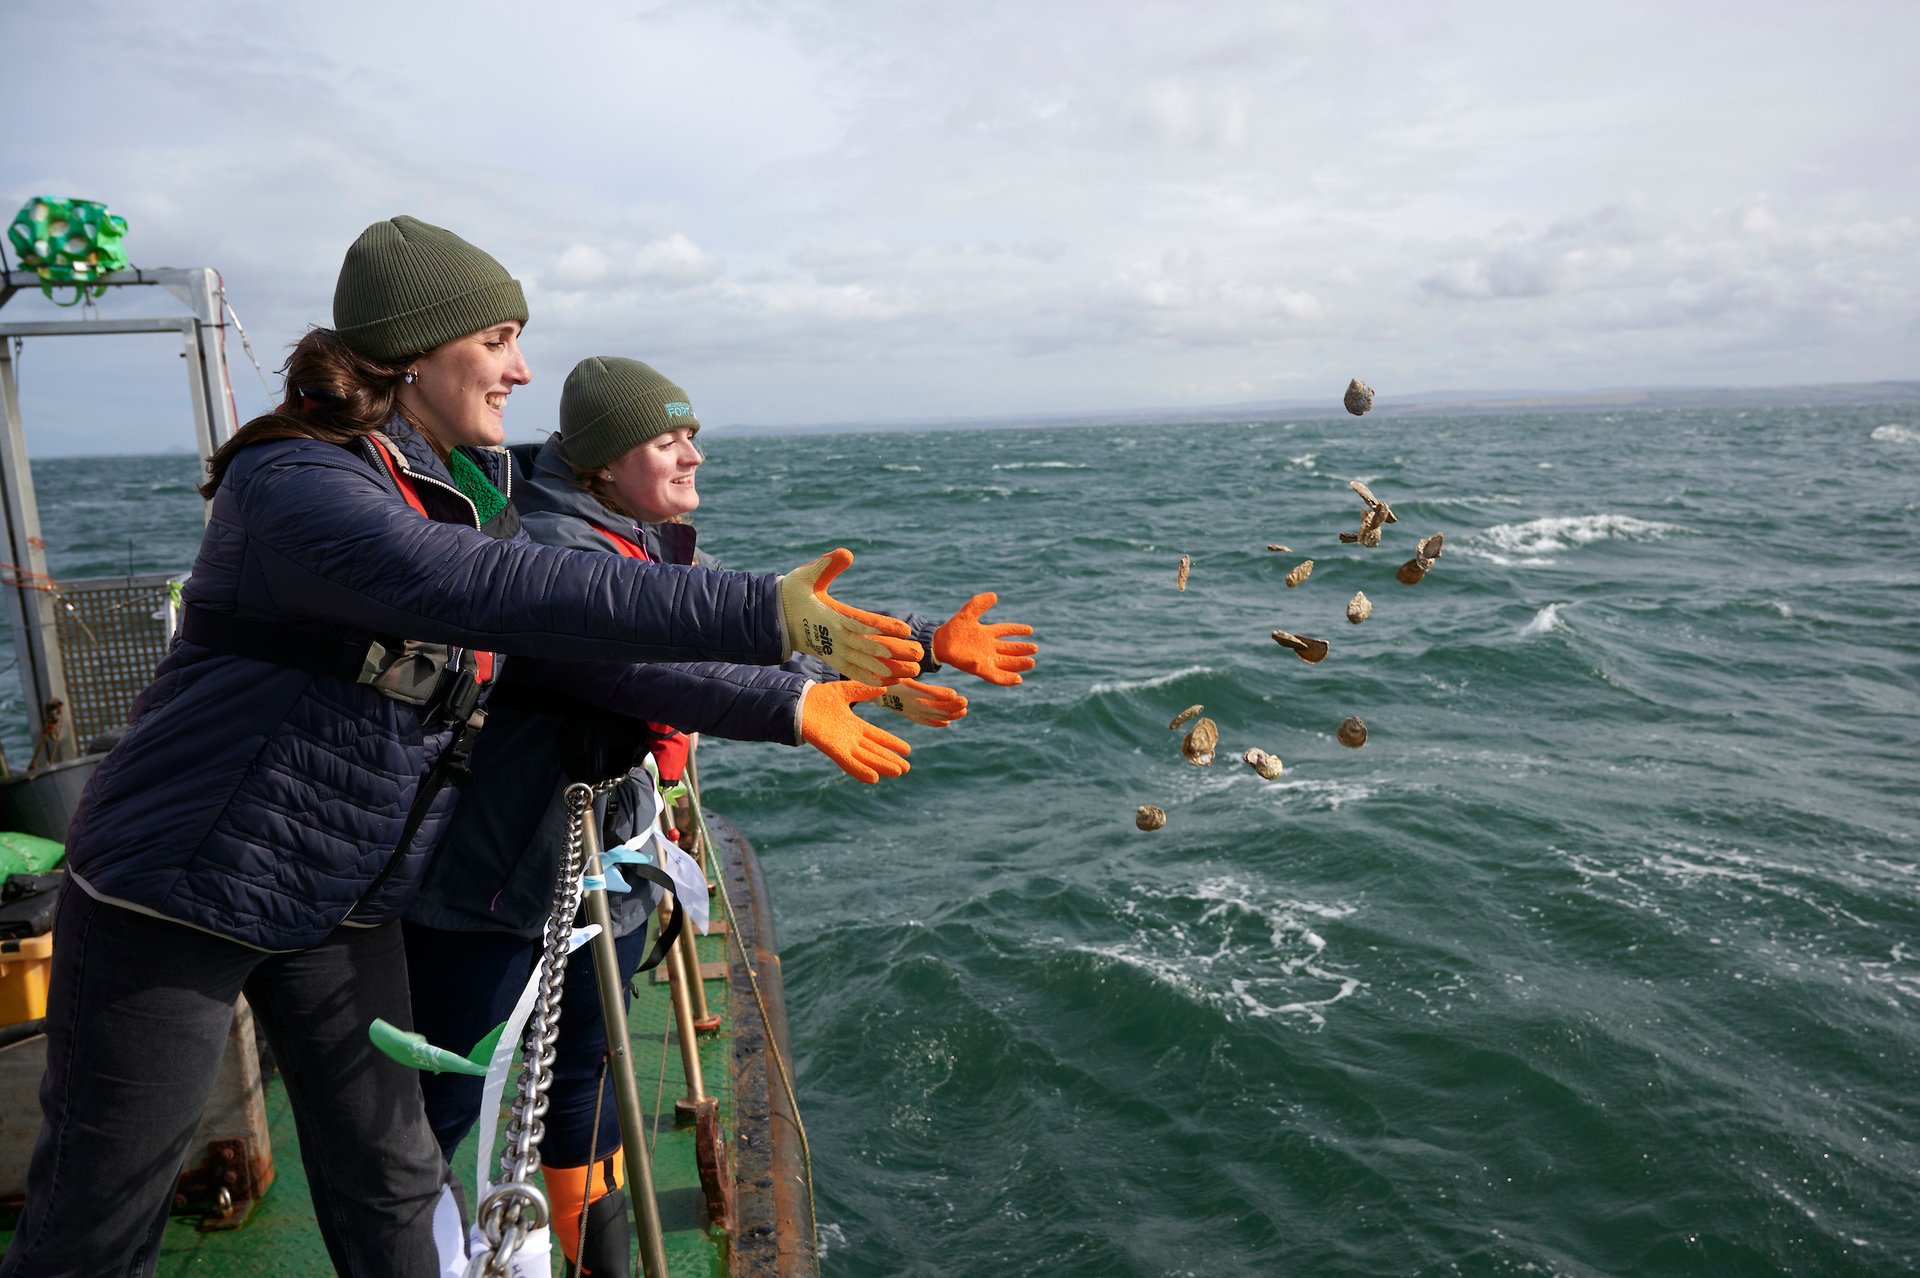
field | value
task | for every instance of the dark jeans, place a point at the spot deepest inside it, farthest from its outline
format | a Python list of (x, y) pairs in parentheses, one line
[(465, 983), (137, 1017)]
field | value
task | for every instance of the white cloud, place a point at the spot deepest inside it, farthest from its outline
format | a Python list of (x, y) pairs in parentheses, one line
[(1000, 205)]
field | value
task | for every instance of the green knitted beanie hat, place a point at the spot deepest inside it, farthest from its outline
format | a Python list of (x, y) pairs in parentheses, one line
[(406, 287), (610, 405)]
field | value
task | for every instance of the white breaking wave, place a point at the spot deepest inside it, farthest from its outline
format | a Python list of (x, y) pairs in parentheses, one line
[(1895, 433), (1546, 621), (1537, 540), (1135, 685), (896, 467), (1039, 465)]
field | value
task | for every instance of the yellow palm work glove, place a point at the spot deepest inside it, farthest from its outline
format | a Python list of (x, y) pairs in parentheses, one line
[(829, 725), (925, 703), (986, 651), (860, 645)]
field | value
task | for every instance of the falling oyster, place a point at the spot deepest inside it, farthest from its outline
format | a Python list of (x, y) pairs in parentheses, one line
[(1431, 547), (1199, 743), (1148, 817), (1359, 397), (1366, 495), (1349, 538), (1351, 733), (1414, 570), (1285, 550), (1267, 765), (1370, 528), (1309, 650), (1299, 573), (1359, 608), (1183, 716), (1186, 566)]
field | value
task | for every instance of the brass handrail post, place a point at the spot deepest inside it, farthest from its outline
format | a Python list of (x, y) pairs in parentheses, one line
[(626, 1093)]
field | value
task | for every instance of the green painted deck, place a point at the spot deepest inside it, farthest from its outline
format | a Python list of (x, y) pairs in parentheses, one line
[(281, 1241)]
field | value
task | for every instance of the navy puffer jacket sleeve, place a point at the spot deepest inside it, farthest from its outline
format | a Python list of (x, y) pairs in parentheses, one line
[(325, 540)]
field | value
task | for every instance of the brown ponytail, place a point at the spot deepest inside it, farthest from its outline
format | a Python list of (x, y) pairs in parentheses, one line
[(333, 393)]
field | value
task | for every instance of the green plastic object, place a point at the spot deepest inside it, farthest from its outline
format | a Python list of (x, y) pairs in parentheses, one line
[(68, 242), (413, 1050), (29, 854)]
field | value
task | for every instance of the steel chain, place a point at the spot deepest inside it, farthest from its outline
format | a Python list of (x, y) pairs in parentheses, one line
[(516, 1206)]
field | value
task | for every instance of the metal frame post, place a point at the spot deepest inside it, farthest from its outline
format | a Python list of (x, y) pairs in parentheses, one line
[(626, 1093), (35, 637)]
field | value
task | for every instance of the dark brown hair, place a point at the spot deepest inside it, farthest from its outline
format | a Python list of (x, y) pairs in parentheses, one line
[(333, 393)]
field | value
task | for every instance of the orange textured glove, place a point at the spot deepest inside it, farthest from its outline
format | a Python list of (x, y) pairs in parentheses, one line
[(860, 645), (829, 725), (926, 703), (986, 651)]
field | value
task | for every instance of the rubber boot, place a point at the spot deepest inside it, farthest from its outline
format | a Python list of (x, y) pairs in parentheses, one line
[(609, 1252), (606, 1214)]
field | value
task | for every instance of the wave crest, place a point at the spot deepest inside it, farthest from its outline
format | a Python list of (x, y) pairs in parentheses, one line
[(1537, 540), (1895, 433)]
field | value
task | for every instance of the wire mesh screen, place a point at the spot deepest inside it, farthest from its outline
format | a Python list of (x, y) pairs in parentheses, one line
[(112, 633)]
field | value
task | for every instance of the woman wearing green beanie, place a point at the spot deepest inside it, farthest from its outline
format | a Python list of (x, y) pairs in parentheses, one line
[(287, 775), (618, 479)]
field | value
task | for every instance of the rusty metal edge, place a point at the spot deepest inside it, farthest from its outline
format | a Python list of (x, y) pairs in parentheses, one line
[(773, 1232)]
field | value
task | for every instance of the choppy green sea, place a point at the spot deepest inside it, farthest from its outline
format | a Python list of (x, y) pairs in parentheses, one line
[(1601, 957)]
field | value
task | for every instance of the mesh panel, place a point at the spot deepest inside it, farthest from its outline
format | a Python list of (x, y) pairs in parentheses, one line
[(112, 634)]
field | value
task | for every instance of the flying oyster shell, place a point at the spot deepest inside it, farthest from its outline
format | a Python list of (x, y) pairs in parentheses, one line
[(1359, 397), (1359, 608), (1267, 765), (1285, 550), (1183, 716), (1370, 522), (1351, 733), (1299, 573), (1431, 547), (1411, 572), (1374, 503), (1200, 742), (1309, 650), (1148, 817), (1186, 566)]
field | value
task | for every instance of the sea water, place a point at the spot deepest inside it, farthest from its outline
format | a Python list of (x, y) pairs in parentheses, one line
[(1601, 957)]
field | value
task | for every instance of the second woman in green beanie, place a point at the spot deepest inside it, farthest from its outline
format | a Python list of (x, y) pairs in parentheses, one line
[(620, 479)]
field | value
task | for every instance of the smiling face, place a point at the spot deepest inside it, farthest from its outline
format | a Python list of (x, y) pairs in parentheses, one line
[(654, 480), (459, 393)]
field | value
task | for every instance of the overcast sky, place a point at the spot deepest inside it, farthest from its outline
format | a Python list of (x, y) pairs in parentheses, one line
[(877, 210)]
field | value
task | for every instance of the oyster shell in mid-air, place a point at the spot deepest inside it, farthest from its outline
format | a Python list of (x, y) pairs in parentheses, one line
[(1183, 716), (1148, 817), (1200, 742), (1309, 650), (1186, 566), (1299, 573), (1267, 765), (1359, 608), (1359, 397), (1411, 572), (1351, 733), (1285, 550), (1431, 547)]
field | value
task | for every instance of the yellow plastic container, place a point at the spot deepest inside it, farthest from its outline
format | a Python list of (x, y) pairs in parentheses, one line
[(25, 964)]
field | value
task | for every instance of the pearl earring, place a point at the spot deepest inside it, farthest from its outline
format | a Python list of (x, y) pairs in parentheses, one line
[(411, 377)]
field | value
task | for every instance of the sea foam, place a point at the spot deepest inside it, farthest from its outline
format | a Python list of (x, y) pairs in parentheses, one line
[(1895, 433), (1536, 541)]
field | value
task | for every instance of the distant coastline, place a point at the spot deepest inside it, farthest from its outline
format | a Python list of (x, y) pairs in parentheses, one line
[(1418, 404)]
